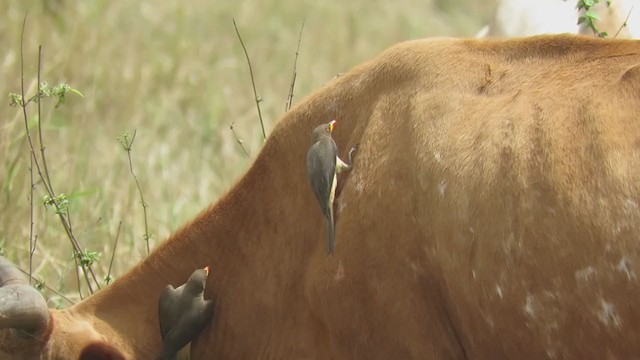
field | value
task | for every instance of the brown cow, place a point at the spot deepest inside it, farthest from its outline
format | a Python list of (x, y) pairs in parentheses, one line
[(492, 213)]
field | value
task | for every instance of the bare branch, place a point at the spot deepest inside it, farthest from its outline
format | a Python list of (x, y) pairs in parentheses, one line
[(32, 244), (127, 144), (624, 24), (238, 140), (113, 253), (34, 159), (253, 83), (295, 72), (49, 288)]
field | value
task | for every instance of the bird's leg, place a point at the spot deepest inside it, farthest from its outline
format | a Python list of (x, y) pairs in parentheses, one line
[(341, 165), (353, 149)]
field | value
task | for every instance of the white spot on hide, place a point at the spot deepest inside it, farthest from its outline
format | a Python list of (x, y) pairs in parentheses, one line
[(499, 291), (473, 273), (442, 187), (630, 205), (608, 315), (341, 205), (487, 319), (624, 266), (586, 274), (528, 306), (438, 157)]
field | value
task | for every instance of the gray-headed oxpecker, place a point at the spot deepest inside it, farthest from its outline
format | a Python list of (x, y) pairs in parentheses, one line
[(323, 165), (183, 313)]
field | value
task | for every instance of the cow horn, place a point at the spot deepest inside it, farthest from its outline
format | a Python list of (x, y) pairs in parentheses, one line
[(22, 307)]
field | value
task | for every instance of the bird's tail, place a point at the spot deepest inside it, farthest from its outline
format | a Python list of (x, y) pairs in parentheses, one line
[(331, 232)]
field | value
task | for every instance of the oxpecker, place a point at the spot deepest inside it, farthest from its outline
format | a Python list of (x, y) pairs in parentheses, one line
[(183, 313), (323, 166)]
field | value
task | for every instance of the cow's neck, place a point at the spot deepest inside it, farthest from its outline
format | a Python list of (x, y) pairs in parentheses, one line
[(236, 237)]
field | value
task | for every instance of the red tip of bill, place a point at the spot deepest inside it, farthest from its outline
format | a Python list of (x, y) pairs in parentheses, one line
[(207, 270)]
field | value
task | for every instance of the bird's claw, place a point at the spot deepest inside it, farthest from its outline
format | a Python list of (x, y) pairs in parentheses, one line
[(353, 149)]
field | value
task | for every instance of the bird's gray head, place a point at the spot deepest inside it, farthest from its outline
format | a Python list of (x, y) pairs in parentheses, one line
[(197, 281), (322, 130)]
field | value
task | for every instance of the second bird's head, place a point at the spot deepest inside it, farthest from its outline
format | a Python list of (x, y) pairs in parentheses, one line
[(198, 280), (332, 125), (323, 130)]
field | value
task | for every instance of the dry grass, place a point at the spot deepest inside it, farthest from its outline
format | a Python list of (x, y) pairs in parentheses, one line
[(175, 72)]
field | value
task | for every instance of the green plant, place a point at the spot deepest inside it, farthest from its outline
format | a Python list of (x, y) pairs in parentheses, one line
[(59, 201), (126, 141), (87, 257), (590, 17)]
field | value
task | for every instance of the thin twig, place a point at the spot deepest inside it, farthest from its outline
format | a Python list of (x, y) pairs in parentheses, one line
[(253, 83), (75, 270), (47, 185), (295, 72), (44, 159), (32, 154), (238, 140), (50, 288), (126, 144), (32, 250), (624, 24), (32, 247), (113, 253)]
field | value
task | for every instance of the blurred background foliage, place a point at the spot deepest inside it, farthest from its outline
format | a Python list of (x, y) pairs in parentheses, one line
[(173, 71)]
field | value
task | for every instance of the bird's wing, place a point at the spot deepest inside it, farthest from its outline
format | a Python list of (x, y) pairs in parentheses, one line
[(189, 326), (166, 309), (321, 165)]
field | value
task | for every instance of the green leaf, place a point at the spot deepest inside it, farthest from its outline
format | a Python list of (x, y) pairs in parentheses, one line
[(88, 257), (591, 15), (60, 203), (15, 100), (76, 92)]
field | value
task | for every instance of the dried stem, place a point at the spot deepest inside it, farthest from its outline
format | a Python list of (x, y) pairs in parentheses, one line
[(295, 72), (50, 288), (113, 253), (44, 159), (32, 245), (127, 147), (624, 24), (44, 178), (253, 83), (238, 140)]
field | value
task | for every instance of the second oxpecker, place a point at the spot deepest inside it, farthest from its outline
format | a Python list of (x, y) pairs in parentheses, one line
[(323, 166), (183, 313)]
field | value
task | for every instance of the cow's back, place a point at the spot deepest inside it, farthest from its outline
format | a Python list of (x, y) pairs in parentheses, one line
[(531, 180), (495, 200)]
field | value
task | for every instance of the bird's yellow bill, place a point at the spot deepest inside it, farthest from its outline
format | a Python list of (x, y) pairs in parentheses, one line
[(332, 125)]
